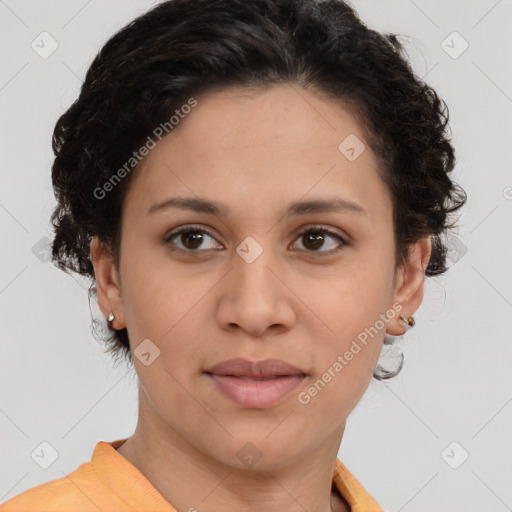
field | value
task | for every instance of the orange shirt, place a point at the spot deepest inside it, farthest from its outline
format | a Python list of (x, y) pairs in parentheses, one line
[(109, 482)]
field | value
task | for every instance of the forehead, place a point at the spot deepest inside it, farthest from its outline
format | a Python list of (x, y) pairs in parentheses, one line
[(246, 146), (274, 115)]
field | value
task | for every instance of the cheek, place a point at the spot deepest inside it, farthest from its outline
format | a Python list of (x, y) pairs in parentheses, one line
[(346, 300), (344, 316), (344, 372), (163, 303)]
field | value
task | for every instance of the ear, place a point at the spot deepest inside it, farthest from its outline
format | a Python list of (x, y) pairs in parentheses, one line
[(108, 283), (409, 284)]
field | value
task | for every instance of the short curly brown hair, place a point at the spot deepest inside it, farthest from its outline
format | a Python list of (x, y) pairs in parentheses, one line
[(180, 48)]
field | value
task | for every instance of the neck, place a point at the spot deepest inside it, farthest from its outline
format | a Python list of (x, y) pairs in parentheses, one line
[(191, 479)]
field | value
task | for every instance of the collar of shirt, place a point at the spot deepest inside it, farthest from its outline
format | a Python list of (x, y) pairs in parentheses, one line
[(110, 482), (110, 464)]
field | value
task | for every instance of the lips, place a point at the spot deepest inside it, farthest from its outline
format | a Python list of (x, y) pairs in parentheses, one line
[(255, 384), (240, 367)]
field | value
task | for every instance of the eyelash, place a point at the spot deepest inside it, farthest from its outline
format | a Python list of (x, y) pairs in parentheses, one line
[(200, 229)]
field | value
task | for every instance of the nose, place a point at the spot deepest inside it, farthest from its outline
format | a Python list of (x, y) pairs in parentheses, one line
[(255, 296)]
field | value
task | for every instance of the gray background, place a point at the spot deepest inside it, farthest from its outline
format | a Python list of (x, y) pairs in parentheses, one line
[(57, 385)]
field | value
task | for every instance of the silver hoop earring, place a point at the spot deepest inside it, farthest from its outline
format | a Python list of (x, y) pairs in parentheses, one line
[(110, 320)]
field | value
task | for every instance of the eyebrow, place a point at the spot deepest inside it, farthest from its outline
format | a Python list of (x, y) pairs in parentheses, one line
[(202, 205)]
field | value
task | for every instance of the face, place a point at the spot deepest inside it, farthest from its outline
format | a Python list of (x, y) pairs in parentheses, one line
[(255, 280)]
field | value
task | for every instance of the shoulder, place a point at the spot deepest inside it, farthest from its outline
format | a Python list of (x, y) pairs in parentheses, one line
[(90, 486), (56, 495), (75, 491)]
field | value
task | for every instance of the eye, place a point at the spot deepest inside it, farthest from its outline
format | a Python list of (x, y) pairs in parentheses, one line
[(192, 237), (315, 238)]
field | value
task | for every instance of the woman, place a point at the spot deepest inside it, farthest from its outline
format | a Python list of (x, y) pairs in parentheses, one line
[(257, 191)]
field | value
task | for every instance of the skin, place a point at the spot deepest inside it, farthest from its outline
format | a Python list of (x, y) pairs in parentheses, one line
[(254, 151)]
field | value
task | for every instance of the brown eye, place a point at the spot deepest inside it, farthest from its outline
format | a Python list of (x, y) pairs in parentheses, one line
[(315, 238), (190, 239)]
